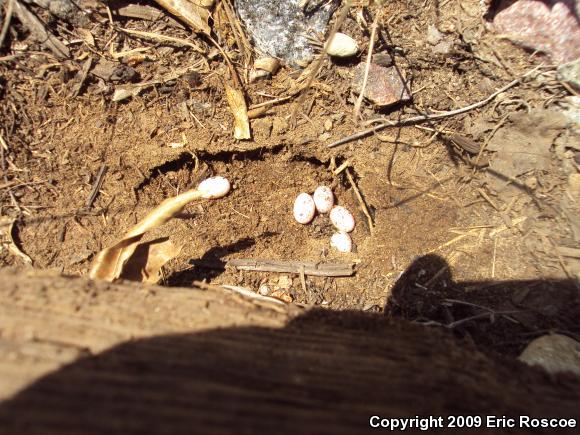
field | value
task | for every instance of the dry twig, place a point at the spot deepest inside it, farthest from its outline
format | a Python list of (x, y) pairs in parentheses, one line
[(360, 198), (7, 19), (384, 123), (40, 33), (360, 98), (163, 38), (295, 267)]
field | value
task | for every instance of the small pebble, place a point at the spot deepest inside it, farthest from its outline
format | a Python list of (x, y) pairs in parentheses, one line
[(342, 46), (264, 290), (214, 187), (323, 199), (342, 219), (341, 242), (304, 208)]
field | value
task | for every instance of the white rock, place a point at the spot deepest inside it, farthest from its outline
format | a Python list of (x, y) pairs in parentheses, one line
[(304, 208), (342, 45), (323, 199), (264, 290), (341, 242), (342, 219), (214, 187)]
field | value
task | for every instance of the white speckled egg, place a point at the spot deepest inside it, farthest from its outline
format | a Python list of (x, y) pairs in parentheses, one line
[(304, 208), (214, 187), (323, 199), (342, 219), (342, 46), (341, 242)]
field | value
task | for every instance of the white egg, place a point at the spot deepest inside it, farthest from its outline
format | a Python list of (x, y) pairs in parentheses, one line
[(214, 187), (323, 199), (304, 208), (341, 242), (342, 45), (342, 219)]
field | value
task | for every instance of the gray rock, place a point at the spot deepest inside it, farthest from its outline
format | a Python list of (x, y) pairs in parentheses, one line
[(383, 59), (279, 28), (570, 73)]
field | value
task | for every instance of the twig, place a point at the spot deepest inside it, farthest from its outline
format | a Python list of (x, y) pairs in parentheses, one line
[(494, 257), (163, 38), (491, 316), (320, 60), (488, 139), (83, 76), (269, 103), (303, 283), (7, 19), (342, 167), (310, 268), (3, 150), (560, 259), (250, 294), (422, 118), (359, 100), (96, 187), (40, 33), (361, 200)]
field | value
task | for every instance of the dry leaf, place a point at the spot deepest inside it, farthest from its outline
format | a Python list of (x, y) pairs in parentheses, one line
[(7, 228), (148, 259), (238, 107), (270, 64), (196, 16), (109, 264), (86, 35)]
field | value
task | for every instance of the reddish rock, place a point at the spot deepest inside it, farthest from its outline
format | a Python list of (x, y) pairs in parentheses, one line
[(547, 25), (384, 87)]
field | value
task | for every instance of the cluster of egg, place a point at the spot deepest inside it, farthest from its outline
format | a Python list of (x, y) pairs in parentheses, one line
[(305, 207)]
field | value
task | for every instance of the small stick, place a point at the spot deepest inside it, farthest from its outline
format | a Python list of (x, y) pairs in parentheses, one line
[(280, 266), (269, 103), (341, 168), (422, 118), (7, 18), (487, 198), (488, 139), (359, 100), (491, 316), (560, 259), (494, 256), (96, 187), (39, 31), (361, 200), (303, 283), (3, 149), (163, 38), (83, 76), (245, 292)]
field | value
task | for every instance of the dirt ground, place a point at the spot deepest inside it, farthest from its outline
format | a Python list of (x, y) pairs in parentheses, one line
[(424, 192)]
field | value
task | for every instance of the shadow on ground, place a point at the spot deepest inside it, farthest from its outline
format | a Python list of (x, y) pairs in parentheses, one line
[(325, 372)]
